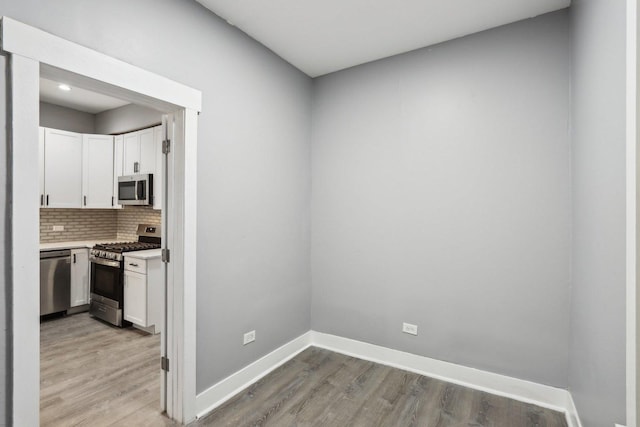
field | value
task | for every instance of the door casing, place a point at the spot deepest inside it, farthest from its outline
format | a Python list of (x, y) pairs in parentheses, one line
[(31, 52)]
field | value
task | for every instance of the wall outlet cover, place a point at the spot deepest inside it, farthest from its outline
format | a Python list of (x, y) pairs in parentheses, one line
[(408, 328), (249, 337)]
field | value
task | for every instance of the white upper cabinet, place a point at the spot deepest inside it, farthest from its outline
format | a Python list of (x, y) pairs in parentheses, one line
[(131, 153), (97, 173), (142, 154), (41, 164), (118, 163), (63, 169), (147, 151), (81, 171), (139, 152)]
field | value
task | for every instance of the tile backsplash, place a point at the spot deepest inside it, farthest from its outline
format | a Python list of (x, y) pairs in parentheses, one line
[(130, 216), (79, 224), (95, 224)]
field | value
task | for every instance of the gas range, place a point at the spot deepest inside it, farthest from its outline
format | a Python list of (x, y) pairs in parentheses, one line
[(107, 273), (114, 251)]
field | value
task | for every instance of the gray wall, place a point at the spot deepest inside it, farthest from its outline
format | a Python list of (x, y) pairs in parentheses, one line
[(597, 350), (57, 117), (441, 197), (126, 119), (253, 163)]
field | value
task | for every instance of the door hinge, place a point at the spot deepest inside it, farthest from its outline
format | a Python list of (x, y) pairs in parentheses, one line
[(166, 255), (164, 363), (166, 146)]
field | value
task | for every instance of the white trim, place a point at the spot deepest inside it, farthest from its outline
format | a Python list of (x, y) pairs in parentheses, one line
[(631, 214), (501, 385), (222, 391), (525, 391), (25, 308), (33, 52), (573, 419), (30, 42)]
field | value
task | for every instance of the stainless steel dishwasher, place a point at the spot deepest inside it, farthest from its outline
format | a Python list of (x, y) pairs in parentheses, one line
[(55, 281)]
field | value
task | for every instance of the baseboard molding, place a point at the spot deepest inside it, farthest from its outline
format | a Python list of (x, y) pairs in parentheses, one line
[(573, 420), (222, 391), (526, 391), (522, 390)]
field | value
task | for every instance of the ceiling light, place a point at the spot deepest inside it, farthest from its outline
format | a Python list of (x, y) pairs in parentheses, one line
[(64, 87)]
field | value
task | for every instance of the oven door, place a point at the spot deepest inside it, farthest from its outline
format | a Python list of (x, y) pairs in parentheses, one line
[(107, 282)]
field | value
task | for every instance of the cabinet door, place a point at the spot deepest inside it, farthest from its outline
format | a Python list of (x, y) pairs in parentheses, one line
[(62, 169), (79, 277), (97, 176), (158, 185), (135, 298), (118, 163), (147, 151), (41, 164), (131, 153)]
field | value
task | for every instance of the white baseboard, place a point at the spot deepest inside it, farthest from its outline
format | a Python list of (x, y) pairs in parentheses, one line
[(222, 391), (573, 420), (525, 391)]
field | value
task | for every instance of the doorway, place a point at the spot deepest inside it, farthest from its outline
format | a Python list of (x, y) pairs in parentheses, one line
[(32, 51)]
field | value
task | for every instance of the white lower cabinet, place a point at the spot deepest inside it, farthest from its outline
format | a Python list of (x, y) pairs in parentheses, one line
[(80, 274), (135, 298), (144, 291)]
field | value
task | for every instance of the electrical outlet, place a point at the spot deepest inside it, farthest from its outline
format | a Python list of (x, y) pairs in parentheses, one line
[(58, 228), (249, 337), (408, 328)]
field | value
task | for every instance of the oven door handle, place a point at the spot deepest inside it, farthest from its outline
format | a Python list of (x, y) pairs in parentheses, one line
[(106, 262)]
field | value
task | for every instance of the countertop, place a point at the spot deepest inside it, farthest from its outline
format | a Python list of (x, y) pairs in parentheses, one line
[(148, 254), (74, 245)]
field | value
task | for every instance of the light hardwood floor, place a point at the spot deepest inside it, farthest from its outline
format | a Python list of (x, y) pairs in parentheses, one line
[(94, 374), (322, 388)]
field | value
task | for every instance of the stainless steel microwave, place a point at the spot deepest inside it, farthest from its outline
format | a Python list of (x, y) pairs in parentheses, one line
[(135, 189)]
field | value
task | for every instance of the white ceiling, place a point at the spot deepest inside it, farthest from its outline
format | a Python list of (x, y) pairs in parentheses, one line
[(77, 98), (320, 37)]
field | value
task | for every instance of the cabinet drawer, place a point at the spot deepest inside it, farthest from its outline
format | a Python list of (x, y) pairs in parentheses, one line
[(136, 265)]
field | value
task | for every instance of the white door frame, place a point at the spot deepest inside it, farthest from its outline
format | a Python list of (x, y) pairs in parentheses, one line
[(632, 219), (31, 50)]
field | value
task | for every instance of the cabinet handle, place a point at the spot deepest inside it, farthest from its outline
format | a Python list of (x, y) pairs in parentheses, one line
[(133, 264), (47, 200), (111, 200), (85, 200), (74, 258), (136, 167), (42, 200)]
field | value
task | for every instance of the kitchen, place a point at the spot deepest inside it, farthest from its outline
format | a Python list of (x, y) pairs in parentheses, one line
[(101, 275)]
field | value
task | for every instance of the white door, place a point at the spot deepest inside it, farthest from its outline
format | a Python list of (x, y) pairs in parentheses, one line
[(135, 297), (79, 277), (97, 176), (131, 160), (62, 169)]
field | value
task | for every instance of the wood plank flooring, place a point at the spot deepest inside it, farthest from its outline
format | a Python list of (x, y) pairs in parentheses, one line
[(94, 374), (322, 388)]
